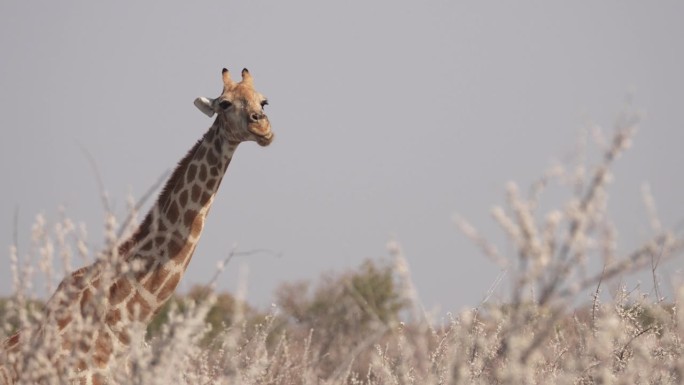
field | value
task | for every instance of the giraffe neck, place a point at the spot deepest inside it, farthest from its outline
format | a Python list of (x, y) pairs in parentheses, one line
[(155, 258), (159, 251)]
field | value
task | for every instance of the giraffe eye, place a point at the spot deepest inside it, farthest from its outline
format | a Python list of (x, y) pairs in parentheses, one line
[(225, 104), (264, 103)]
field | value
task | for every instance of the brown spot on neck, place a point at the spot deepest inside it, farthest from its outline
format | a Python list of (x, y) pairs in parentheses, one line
[(169, 287), (195, 193), (138, 308), (209, 153), (119, 291)]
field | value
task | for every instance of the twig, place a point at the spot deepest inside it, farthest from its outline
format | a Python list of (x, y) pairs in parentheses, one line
[(620, 140), (234, 253), (493, 286), (540, 335), (624, 348), (594, 304), (633, 262), (489, 250), (141, 202), (654, 266), (98, 177), (357, 350)]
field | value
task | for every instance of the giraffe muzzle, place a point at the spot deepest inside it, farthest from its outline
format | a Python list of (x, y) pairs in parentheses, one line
[(261, 130), (264, 140)]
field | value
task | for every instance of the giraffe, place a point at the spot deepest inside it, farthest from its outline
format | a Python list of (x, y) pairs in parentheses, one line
[(93, 310)]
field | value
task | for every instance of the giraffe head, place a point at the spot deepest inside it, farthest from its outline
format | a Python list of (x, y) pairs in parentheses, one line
[(240, 110)]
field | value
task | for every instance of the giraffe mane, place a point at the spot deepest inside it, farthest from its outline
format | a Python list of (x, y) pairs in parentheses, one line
[(162, 200)]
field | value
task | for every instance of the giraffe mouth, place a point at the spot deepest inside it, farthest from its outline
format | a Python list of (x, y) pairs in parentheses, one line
[(264, 139)]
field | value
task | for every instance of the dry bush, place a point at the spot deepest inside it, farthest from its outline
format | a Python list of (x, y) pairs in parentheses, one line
[(366, 326), (345, 315)]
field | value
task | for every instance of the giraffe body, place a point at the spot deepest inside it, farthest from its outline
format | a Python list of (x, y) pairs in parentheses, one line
[(89, 318)]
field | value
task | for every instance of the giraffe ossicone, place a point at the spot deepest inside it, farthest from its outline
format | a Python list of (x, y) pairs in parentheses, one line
[(127, 288)]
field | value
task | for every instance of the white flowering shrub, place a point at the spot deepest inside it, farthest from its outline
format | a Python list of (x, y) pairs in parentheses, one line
[(368, 327)]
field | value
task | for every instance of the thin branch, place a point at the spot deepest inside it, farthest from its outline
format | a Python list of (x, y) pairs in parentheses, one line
[(620, 141), (633, 262), (141, 202), (624, 348), (487, 248), (494, 286), (233, 253), (594, 304), (540, 335), (98, 177), (654, 267)]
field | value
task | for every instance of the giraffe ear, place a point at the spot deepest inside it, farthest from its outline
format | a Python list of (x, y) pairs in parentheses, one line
[(205, 105)]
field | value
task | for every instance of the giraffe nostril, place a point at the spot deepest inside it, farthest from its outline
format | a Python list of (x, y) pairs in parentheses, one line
[(256, 117)]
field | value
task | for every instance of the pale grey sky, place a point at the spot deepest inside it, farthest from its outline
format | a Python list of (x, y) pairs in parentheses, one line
[(390, 117)]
